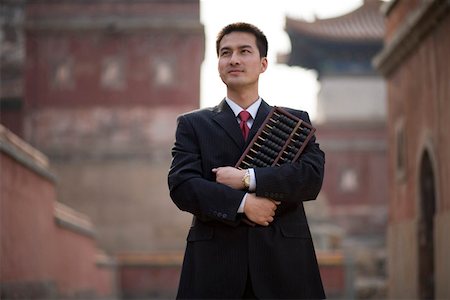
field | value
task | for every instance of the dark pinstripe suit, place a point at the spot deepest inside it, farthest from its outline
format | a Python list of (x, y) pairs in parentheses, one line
[(220, 248)]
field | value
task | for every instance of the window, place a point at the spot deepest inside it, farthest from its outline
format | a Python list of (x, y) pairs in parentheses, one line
[(349, 180), (400, 152), (163, 72), (112, 74), (62, 74)]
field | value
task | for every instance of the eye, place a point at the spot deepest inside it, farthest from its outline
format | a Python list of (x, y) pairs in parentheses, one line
[(224, 53)]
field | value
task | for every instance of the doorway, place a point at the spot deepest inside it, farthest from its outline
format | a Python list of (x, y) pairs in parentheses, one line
[(427, 211)]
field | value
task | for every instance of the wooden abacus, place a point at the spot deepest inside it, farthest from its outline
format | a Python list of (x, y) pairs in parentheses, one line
[(281, 139)]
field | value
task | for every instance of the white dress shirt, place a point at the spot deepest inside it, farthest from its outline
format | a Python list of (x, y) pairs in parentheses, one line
[(252, 110)]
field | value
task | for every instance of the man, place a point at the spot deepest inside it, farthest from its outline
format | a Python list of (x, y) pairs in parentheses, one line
[(225, 257)]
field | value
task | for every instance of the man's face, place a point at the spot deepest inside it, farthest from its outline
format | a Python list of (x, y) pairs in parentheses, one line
[(239, 62)]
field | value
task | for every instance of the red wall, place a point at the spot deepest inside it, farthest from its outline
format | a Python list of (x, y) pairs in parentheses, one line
[(138, 52), (363, 148), (419, 99), (149, 281), (37, 252), (140, 34)]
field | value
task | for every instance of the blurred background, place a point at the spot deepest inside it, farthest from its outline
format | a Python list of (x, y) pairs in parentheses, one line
[(89, 95)]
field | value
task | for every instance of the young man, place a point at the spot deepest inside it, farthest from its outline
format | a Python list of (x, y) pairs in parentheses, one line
[(225, 257)]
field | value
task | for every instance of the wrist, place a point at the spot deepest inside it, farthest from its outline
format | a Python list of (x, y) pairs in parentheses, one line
[(246, 180)]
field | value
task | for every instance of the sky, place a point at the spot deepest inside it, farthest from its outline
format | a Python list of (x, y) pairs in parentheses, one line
[(280, 85)]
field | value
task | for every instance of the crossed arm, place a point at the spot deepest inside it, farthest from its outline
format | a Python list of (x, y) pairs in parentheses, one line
[(216, 194), (259, 210)]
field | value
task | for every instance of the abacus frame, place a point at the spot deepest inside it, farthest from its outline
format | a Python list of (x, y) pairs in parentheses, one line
[(287, 150)]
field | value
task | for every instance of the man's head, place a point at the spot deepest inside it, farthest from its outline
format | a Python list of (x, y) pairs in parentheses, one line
[(242, 57), (261, 40)]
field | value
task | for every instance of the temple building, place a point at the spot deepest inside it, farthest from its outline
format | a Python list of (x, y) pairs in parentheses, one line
[(415, 64), (351, 129)]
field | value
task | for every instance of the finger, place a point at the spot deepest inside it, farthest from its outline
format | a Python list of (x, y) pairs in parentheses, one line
[(276, 202), (215, 170), (270, 219)]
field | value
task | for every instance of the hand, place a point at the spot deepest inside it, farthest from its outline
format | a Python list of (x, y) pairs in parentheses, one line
[(260, 210), (230, 176)]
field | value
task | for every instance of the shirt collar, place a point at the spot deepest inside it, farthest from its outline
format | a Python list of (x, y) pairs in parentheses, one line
[(252, 109)]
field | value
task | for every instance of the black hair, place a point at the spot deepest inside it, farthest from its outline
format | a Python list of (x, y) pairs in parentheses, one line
[(261, 40)]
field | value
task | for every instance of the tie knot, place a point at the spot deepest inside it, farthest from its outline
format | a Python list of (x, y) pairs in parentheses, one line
[(244, 116)]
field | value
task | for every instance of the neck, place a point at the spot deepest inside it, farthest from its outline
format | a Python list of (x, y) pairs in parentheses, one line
[(243, 99)]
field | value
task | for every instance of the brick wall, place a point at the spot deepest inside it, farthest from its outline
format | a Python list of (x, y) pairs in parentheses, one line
[(47, 249), (417, 71), (104, 84), (355, 183)]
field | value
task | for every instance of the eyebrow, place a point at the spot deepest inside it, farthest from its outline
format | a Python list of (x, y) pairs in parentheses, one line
[(239, 47)]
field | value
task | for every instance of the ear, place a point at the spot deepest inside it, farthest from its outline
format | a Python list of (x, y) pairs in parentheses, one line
[(264, 64)]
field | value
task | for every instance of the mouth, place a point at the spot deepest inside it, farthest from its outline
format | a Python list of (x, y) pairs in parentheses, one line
[(234, 71)]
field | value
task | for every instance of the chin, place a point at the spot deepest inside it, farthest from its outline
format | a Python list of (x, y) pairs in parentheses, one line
[(235, 82)]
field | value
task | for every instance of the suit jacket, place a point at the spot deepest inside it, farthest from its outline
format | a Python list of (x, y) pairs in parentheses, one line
[(221, 249)]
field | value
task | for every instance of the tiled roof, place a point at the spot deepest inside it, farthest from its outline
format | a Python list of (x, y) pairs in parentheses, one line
[(364, 23)]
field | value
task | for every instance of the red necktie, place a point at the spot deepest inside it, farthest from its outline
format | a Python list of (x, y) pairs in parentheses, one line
[(244, 116)]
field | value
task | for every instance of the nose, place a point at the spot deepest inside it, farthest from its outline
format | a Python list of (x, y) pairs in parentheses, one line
[(234, 59)]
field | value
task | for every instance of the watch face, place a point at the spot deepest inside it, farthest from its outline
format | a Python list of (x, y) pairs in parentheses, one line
[(247, 180)]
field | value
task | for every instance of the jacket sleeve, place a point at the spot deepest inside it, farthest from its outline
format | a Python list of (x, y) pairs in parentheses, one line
[(192, 190), (294, 182)]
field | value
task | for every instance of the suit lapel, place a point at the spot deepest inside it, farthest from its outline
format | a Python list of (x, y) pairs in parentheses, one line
[(227, 120)]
